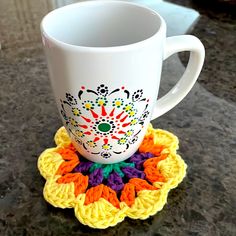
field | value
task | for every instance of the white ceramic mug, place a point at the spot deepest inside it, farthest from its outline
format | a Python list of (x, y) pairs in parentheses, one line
[(105, 61)]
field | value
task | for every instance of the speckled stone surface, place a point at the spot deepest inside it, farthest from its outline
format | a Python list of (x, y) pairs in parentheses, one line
[(204, 204)]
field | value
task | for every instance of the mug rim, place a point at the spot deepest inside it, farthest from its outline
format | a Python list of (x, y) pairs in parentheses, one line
[(60, 43)]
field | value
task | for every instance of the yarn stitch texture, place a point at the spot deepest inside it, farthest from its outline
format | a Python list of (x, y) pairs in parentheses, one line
[(102, 195)]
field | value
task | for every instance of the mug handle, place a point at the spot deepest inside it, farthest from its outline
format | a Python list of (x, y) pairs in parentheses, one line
[(173, 45)]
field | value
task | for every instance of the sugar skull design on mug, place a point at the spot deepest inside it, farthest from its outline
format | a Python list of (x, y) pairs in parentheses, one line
[(97, 118)]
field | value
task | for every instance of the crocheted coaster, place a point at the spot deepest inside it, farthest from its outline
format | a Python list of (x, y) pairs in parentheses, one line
[(103, 195)]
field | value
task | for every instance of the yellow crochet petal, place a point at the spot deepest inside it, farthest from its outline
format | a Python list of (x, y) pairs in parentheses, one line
[(100, 214), (148, 203), (59, 195), (149, 130), (173, 168), (166, 139), (49, 162), (61, 137), (163, 137)]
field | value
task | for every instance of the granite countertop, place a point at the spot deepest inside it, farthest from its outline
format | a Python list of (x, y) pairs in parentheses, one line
[(203, 204)]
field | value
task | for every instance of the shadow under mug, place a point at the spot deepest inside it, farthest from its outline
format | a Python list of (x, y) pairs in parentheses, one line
[(105, 61)]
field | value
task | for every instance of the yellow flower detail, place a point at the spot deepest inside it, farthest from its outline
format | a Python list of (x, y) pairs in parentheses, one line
[(122, 141), (118, 103), (88, 105), (132, 113), (91, 144), (101, 102), (134, 122), (129, 133), (73, 122), (106, 146), (128, 107), (76, 111), (79, 133)]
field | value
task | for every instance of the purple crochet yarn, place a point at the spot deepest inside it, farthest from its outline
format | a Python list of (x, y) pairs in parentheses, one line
[(131, 172), (139, 158), (83, 167), (115, 182), (147, 155), (96, 177)]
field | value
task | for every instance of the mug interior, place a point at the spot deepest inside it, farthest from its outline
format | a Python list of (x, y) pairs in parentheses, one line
[(101, 24)]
